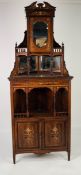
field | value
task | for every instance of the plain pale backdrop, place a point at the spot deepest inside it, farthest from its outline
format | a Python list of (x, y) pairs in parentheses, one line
[(67, 29)]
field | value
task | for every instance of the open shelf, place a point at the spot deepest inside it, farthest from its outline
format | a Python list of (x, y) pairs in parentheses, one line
[(20, 101), (40, 100), (61, 101), (40, 103)]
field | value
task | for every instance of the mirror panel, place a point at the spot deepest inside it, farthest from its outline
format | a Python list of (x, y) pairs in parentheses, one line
[(56, 63), (45, 62), (50, 63), (33, 63), (40, 34), (39, 63), (23, 65)]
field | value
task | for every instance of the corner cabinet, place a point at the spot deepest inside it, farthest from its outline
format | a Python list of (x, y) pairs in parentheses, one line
[(40, 88)]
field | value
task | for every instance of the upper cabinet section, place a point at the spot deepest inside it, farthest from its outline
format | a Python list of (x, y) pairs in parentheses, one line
[(40, 28), (39, 54)]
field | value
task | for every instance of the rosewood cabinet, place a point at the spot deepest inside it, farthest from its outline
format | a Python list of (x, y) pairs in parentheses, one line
[(40, 88)]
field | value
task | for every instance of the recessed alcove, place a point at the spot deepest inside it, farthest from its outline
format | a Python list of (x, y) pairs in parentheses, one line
[(40, 100), (61, 101), (20, 106)]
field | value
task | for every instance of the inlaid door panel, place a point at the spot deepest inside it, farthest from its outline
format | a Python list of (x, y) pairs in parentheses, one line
[(27, 135), (55, 134)]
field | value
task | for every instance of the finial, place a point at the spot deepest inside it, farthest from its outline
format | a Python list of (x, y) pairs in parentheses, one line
[(16, 44)]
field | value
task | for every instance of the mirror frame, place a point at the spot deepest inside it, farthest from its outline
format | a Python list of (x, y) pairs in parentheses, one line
[(32, 48)]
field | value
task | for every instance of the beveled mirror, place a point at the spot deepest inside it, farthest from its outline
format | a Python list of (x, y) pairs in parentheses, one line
[(40, 34)]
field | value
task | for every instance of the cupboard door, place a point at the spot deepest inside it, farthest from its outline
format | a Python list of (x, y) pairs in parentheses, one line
[(27, 135), (55, 134)]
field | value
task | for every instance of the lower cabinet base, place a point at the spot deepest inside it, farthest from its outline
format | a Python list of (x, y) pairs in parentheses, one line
[(41, 152), (41, 136)]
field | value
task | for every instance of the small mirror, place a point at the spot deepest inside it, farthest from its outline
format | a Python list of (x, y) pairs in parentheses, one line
[(50, 63), (40, 34), (32, 63), (56, 64), (45, 62), (23, 65)]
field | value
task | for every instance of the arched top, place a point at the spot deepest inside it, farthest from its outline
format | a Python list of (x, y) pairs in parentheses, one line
[(20, 90), (40, 88), (62, 89)]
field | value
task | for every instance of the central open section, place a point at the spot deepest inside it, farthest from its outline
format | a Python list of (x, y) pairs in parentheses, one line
[(40, 100)]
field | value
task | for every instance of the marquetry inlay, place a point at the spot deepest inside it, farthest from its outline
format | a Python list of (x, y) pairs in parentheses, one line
[(54, 132), (29, 135)]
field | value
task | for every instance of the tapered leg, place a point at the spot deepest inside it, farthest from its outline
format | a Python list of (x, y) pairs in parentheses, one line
[(68, 155), (13, 158)]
